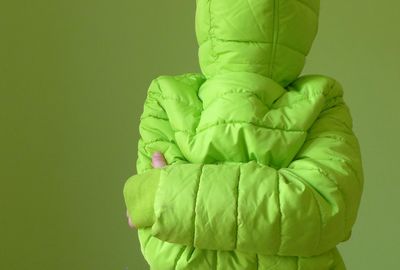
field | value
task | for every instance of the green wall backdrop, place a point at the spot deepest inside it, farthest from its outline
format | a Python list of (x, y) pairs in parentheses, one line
[(73, 78)]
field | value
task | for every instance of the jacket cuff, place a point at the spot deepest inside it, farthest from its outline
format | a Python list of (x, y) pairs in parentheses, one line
[(139, 194)]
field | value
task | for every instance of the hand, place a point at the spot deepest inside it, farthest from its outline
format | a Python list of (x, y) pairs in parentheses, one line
[(157, 161)]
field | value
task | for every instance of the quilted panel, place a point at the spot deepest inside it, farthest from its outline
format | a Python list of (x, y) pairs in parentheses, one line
[(264, 170), (290, 147), (258, 117), (268, 37)]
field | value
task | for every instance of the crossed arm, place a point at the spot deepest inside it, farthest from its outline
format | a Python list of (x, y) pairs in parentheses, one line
[(304, 209)]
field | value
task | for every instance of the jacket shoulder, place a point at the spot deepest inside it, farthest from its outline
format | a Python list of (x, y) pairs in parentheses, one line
[(176, 85), (316, 85)]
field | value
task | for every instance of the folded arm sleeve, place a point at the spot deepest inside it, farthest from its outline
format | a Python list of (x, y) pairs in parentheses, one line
[(155, 135), (303, 209)]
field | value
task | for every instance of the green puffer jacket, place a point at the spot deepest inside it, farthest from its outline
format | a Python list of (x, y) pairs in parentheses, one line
[(264, 170)]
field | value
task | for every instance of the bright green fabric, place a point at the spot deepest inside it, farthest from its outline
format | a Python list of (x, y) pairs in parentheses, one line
[(267, 37), (139, 194), (265, 171)]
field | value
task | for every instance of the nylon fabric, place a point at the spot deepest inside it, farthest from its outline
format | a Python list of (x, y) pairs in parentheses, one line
[(264, 169)]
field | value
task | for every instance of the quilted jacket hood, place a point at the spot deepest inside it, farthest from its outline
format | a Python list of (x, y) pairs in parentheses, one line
[(268, 37)]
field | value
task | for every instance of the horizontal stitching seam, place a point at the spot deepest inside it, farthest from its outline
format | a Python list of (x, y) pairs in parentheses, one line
[(153, 116), (239, 90), (259, 42), (237, 122), (179, 100), (147, 143)]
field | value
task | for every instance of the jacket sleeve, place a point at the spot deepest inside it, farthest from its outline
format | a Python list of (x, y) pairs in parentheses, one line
[(156, 133), (303, 209)]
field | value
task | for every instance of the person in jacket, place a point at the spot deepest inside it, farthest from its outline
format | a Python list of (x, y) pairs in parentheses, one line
[(258, 167)]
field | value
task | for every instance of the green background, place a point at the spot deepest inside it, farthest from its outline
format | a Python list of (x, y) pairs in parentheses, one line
[(73, 78)]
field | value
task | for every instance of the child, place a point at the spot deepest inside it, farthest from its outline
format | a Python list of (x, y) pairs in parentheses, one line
[(261, 167)]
